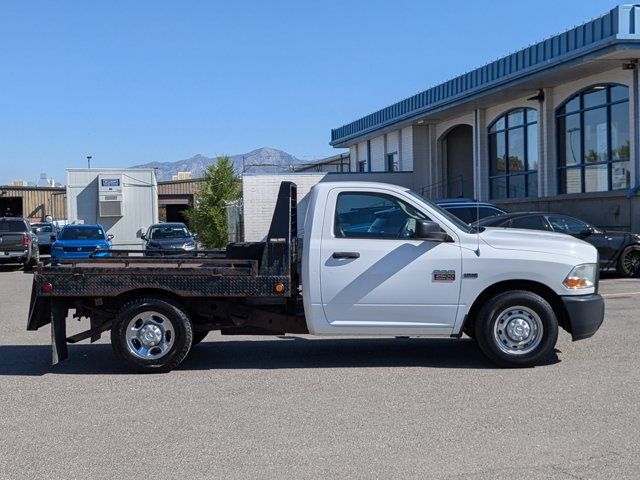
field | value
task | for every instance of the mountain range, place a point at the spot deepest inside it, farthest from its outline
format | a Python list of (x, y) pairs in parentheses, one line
[(261, 160)]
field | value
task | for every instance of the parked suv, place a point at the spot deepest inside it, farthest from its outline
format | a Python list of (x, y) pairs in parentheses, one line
[(81, 241), (17, 243), (469, 210)]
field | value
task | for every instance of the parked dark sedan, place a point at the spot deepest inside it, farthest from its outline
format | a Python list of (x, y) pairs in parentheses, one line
[(168, 239), (469, 210), (619, 250)]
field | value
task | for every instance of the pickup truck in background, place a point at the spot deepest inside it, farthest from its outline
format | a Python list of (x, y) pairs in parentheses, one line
[(376, 259), (18, 244)]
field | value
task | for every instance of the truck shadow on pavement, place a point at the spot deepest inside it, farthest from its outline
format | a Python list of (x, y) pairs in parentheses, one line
[(282, 353), (10, 268)]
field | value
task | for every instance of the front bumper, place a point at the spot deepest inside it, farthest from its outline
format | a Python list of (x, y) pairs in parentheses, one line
[(165, 252), (62, 255), (585, 314)]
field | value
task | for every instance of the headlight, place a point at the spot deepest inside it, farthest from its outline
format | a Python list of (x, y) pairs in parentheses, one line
[(189, 246), (58, 248), (582, 276)]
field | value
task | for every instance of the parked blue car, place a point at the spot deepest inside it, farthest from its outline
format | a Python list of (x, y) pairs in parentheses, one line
[(81, 241)]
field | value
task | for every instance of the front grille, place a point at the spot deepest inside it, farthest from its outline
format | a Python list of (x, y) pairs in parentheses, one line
[(79, 249)]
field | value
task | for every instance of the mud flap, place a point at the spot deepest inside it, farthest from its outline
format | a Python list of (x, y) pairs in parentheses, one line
[(59, 350)]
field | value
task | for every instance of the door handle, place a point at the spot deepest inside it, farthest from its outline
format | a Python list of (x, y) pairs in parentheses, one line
[(345, 255)]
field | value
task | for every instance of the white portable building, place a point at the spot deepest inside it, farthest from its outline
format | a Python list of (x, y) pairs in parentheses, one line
[(123, 201)]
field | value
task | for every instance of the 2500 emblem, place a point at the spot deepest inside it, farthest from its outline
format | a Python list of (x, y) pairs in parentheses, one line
[(444, 275)]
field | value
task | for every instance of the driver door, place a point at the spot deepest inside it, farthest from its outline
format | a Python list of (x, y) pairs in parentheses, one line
[(375, 273)]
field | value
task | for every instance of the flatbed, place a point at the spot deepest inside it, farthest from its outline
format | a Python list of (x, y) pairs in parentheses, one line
[(214, 285)]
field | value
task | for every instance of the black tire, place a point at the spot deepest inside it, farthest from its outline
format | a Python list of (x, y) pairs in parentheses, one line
[(629, 262), (470, 331), (199, 336), (29, 264), (512, 310), (177, 344)]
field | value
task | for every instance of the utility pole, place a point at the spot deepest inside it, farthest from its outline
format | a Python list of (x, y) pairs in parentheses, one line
[(89, 157)]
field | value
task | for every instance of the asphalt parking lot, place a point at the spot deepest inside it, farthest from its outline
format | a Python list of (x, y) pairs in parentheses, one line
[(300, 407)]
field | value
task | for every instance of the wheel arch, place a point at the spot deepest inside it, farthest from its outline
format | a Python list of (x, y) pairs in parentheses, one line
[(508, 285), (157, 293)]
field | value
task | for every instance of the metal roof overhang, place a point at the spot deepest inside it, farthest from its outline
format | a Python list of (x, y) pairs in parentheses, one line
[(180, 199), (606, 57)]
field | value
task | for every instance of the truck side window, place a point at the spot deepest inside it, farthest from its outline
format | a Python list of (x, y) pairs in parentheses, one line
[(374, 215)]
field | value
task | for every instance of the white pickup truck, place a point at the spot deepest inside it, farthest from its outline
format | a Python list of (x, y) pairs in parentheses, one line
[(377, 259)]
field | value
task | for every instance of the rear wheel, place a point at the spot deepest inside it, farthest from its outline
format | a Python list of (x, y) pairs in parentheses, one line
[(151, 335), (516, 329), (629, 261)]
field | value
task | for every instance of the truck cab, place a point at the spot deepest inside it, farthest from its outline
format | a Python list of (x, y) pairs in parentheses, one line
[(381, 260), (377, 259)]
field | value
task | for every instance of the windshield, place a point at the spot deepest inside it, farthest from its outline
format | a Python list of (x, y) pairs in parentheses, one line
[(168, 231), (12, 226), (81, 233), (449, 216)]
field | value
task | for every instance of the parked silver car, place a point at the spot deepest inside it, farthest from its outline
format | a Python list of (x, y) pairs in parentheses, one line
[(44, 231)]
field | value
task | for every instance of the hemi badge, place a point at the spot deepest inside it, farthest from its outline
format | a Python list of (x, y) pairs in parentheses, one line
[(469, 275), (444, 275)]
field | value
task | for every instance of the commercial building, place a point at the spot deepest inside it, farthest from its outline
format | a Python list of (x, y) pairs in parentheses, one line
[(123, 201), (335, 164), (553, 126), (182, 176), (175, 196), (33, 203)]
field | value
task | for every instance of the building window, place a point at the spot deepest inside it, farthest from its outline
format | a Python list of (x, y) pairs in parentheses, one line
[(594, 141), (513, 154), (393, 164), (362, 166)]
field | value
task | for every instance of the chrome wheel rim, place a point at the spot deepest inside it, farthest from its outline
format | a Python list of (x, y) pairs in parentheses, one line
[(150, 335), (631, 261), (518, 330)]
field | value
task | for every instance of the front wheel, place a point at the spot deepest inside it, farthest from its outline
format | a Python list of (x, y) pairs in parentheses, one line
[(516, 329), (151, 335)]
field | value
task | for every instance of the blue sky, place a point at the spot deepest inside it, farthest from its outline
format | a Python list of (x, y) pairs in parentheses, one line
[(131, 82)]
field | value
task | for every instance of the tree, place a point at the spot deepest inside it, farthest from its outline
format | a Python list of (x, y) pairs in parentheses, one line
[(208, 216)]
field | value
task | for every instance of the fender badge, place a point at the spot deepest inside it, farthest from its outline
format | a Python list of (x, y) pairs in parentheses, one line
[(469, 275), (444, 275)]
